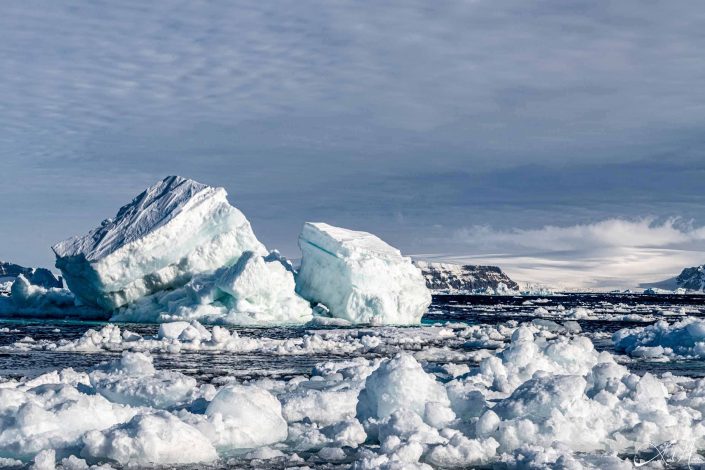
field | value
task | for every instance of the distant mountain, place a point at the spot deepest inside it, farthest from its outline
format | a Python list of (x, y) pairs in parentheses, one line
[(449, 277), (692, 279), (38, 276)]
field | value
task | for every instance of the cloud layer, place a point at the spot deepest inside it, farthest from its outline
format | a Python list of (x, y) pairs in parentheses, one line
[(611, 253), (411, 119)]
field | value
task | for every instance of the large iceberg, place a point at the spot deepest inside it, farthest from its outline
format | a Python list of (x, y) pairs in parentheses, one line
[(254, 291), (172, 231), (359, 277)]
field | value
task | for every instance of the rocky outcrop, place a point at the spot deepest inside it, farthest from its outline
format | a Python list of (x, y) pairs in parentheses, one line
[(692, 279), (449, 277)]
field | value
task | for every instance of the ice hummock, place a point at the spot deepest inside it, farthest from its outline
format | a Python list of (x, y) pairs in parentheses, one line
[(359, 277), (172, 231)]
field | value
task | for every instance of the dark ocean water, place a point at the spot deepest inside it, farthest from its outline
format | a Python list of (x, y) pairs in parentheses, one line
[(475, 309)]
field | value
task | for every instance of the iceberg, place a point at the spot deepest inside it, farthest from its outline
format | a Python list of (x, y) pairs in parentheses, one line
[(9, 272), (359, 277), (256, 290), (25, 294), (172, 231)]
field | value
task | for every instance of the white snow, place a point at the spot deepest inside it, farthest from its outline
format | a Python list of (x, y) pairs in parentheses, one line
[(358, 277), (172, 231)]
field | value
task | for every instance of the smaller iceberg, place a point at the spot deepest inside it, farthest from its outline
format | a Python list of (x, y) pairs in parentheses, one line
[(359, 277), (9, 272)]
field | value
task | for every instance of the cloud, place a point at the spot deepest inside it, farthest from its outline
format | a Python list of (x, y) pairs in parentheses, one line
[(611, 253), (605, 234), (448, 113)]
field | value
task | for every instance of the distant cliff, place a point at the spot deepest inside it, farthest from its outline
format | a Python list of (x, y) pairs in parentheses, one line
[(448, 277), (692, 279), (38, 276)]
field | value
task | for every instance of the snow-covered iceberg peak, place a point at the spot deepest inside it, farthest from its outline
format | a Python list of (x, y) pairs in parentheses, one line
[(359, 277), (173, 230)]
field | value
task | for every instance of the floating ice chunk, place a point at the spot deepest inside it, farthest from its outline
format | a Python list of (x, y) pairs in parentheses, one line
[(462, 452), (579, 313), (172, 330), (262, 292), (400, 384), (685, 338), (320, 406), (133, 381), (539, 397), (244, 417), (150, 439), (173, 230), (9, 463), (358, 277)]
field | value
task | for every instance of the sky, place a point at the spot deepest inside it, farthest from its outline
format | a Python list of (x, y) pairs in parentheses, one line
[(563, 140)]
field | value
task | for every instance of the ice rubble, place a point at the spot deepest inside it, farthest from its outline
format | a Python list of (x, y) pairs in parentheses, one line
[(543, 400), (359, 277), (662, 340), (431, 342), (173, 230)]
